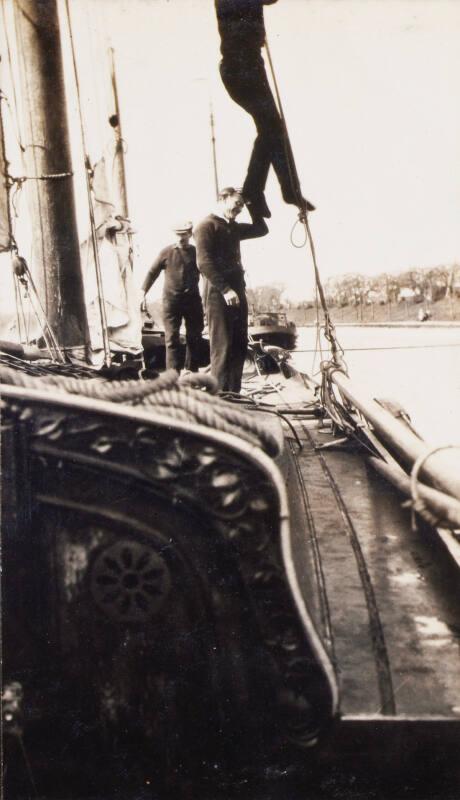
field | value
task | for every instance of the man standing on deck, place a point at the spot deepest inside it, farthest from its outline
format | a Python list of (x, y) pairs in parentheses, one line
[(181, 298), (218, 239)]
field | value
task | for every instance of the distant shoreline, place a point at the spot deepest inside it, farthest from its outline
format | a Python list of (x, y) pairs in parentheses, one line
[(444, 313), (407, 324)]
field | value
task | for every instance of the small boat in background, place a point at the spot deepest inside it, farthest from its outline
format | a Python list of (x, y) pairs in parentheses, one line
[(273, 327)]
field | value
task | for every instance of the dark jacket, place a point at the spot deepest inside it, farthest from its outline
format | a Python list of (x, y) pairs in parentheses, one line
[(181, 271), (218, 250), (241, 28)]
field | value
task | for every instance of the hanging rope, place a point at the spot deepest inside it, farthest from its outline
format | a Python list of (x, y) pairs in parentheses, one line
[(88, 176), (21, 272), (329, 330), (23, 276), (14, 116)]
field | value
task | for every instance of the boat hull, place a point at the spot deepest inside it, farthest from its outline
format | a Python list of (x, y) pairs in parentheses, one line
[(153, 343), (274, 335)]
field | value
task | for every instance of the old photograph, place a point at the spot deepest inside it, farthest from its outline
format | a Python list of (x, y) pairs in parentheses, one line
[(230, 393)]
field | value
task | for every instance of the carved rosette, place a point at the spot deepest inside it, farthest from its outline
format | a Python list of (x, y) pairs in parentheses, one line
[(129, 581)]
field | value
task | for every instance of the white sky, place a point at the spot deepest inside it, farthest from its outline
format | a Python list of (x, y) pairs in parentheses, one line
[(371, 95)]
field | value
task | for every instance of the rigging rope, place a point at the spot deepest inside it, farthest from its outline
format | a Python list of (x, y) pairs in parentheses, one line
[(88, 175), (21, 272), (23, 276), (329, 330), (14, 116)]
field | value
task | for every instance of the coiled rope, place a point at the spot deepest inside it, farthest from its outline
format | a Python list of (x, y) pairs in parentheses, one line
[(168, 395)]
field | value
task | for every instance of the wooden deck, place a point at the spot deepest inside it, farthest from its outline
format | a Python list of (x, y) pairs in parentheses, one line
[(387, 606), (384, 597)]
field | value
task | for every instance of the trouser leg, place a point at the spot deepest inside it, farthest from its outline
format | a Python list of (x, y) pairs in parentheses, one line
[(220, 326), (249, 87), (172, 317), (193, 316), (239, 342)]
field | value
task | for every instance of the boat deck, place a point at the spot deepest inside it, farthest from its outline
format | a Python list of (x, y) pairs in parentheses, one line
[(383, 596)]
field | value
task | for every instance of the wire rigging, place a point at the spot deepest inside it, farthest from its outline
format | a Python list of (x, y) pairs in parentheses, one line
[(22, 276), (337, 354), (88, 175)]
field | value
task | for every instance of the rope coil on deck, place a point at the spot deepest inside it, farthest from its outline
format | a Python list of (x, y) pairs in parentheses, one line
[(173, 397)]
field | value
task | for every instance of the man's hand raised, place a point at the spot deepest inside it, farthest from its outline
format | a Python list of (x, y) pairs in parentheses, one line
[(231, 298)]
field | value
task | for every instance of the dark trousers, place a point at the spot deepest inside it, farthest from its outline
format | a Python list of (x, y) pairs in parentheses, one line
[(228, 339), (178, 307), (247, 85)]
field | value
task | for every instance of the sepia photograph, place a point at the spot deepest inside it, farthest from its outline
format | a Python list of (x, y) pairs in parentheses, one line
[(229, 399)]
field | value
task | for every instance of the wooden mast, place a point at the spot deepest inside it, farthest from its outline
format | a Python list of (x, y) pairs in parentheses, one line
[(214, 151), (56, 261)]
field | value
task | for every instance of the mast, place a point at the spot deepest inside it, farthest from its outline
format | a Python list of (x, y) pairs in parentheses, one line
[(214, 151), (48, 163), (119, 161)]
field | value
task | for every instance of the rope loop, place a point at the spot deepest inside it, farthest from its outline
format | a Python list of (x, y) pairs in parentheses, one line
[(299, 221)]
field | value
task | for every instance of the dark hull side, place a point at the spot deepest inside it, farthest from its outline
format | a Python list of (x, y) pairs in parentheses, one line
[(278, 336), (153, 343), (289, 630)]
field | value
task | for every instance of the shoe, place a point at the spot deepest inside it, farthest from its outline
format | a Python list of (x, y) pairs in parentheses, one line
[(258, 206), (306, 205), (303, 205)]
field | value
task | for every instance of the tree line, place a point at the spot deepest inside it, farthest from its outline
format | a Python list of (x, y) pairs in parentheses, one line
[(354, 289)]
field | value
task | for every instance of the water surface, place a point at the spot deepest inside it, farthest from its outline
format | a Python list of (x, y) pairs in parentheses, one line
[(419, 367)]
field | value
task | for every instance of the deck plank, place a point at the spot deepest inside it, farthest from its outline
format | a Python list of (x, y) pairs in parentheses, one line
[(416, 609)]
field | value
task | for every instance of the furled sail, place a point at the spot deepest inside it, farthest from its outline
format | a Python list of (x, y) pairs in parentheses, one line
[(5, 232), (120, 296)]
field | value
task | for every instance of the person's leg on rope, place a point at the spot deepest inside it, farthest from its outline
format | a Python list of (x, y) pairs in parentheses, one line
[(247, 85)]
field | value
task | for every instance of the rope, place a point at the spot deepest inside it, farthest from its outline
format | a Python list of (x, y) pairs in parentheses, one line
[(416, 503), (88, 173), (167, 395), (392, 347), (21, 272), (24, 276), (329, 330), (14, 116), (55, 176)]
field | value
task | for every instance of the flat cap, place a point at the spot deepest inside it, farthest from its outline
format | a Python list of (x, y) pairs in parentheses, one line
[(183, 227)]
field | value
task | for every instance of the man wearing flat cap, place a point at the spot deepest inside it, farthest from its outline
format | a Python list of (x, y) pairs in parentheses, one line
[(181, 298), (218, 239)]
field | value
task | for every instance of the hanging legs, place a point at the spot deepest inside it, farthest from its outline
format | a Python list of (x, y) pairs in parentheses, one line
[(247, 85)]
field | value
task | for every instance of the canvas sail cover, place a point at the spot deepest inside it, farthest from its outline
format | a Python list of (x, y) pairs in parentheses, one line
[(5, 233), (120, 295)]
